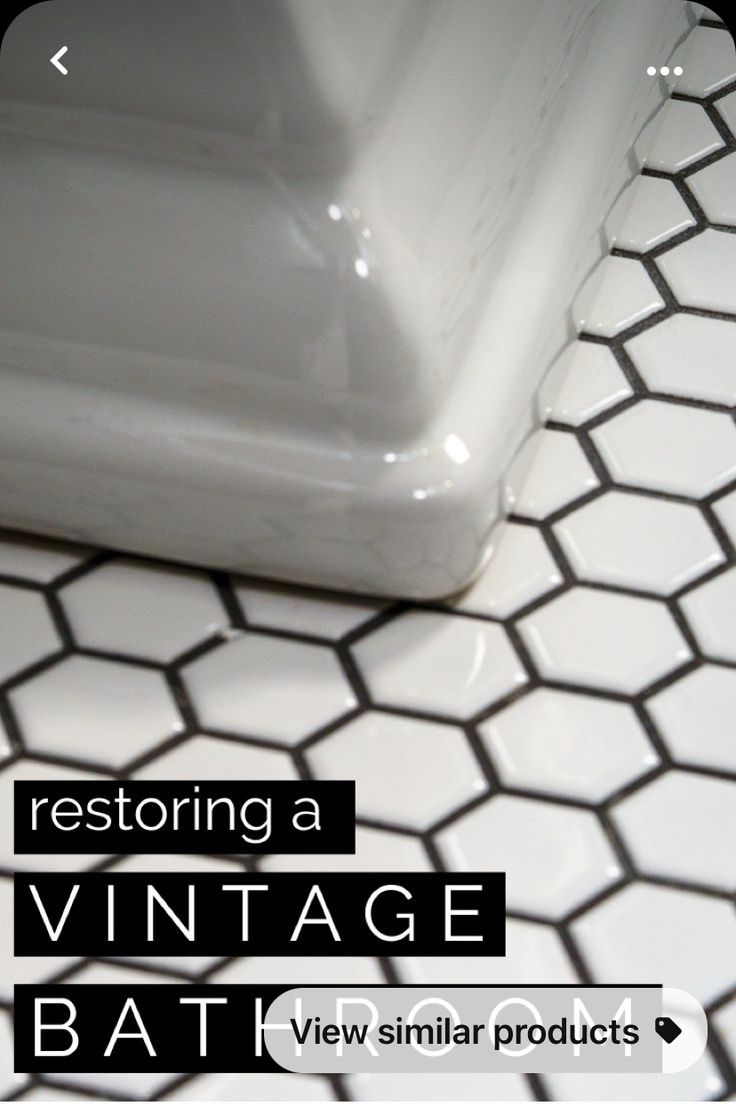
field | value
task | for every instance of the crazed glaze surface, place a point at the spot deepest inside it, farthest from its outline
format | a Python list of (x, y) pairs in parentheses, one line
[(282, 291)]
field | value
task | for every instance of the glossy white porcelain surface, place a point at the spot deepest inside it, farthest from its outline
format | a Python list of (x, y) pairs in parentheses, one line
[(669, 448), (253, 1087), (669, 827), (711, 63), (27, 632), (648, 213), (619, 294), (28, 558), (302, 612), (594, 638), (454, 666), (630, 938), (439, 1087), (631, 540), (584, 381), (725, 510), (151, 613), (702, 271), (291, 970), (711, 609), (549, 471), (66, 708), (11, 1083), (534, 954), (276, 331), (571, 745), (679, 134), (433, 770), (201, 757), (665, 354), (715, 189), (695, 717), (376, 850), (701, 1082), (554, 857), (520, 570), (727, 109), (249, 684)]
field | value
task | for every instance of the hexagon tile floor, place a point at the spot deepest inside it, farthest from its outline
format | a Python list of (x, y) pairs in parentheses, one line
[(569, 719)]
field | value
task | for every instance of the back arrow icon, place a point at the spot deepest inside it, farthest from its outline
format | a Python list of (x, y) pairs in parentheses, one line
[(55, 60)]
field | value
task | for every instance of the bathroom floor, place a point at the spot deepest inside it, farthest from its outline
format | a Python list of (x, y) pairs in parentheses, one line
[(569, 719)]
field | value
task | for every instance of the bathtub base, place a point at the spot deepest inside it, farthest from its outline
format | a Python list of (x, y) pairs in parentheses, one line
[(383, 475)]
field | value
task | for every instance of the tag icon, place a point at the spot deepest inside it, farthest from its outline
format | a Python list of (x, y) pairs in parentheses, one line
[(667, 1029)]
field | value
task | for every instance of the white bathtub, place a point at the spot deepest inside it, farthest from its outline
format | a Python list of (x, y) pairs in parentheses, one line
[(282, 276)]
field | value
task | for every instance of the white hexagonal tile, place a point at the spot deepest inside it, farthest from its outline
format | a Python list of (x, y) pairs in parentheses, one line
[(138, 607), (708, 64), (173, 862), (21, 969), (6, 746), (217, 758), (695, 716), (95, 972), (715, 190), (703, 11), (41, 1093), (439, 1087), (24, 769), (521, 569), (555, 857), (700, 1082), (669, 447), (725, 509), (665, 354), (534, 954), (638, 542), (571, 745), (677, 826), (584, 381), (711, 612), (439, 663), (548, 472), (727, 110), (725, 1022), (297, 971), (376, 850), (600, 639), (107, 713), (432, 768), (702, 271), (648, 934), (27, 633), (10, 1083), (301, 611), (617, 295), (647, 213), (254, 1087), (38, 559), (679, 135), (268, 687)]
